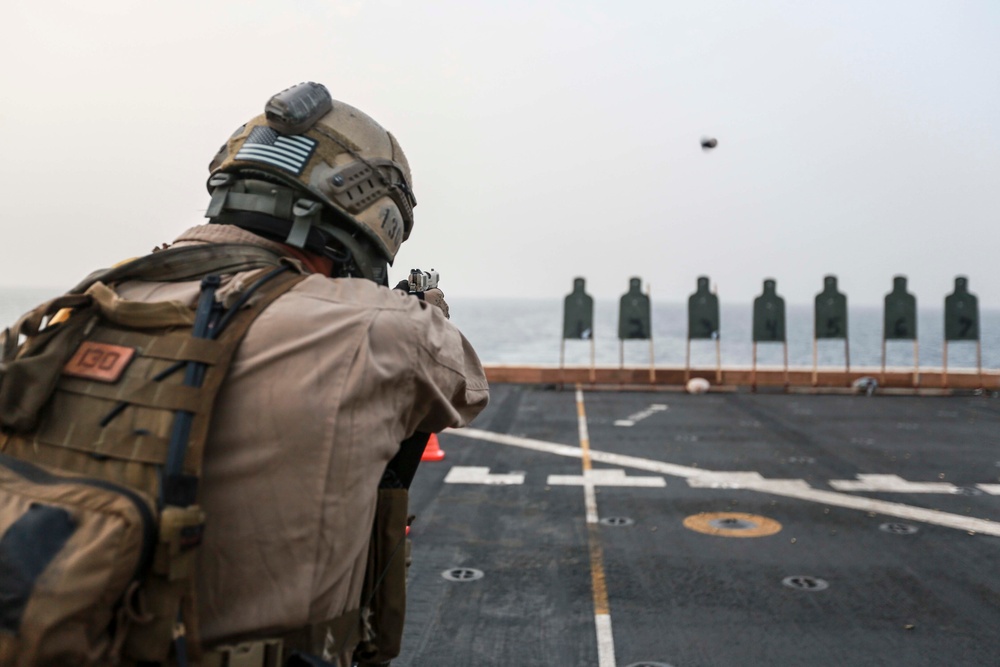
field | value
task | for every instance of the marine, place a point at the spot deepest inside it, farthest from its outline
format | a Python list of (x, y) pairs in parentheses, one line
[(236, 417)]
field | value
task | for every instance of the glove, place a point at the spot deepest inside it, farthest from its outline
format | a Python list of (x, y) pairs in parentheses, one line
[(435, 297)]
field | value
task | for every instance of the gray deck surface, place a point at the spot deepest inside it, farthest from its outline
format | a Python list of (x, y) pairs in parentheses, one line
[(687, 599)]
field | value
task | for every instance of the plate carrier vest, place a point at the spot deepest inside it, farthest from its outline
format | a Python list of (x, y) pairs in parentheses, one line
[(104, 416)]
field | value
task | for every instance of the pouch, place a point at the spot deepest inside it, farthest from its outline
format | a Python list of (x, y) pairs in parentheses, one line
[(385, 581), (69, 549)]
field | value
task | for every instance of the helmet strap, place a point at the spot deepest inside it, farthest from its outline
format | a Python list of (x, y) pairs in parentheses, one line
[(219, 184), (267, 208), (361, 257), (305, 214), (229, 194)]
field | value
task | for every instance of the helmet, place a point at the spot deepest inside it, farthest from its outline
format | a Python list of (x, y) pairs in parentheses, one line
[(316, 174)]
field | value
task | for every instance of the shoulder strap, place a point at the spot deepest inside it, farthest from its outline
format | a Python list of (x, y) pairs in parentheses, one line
[(170, 586), (183, 465), (185, 263)]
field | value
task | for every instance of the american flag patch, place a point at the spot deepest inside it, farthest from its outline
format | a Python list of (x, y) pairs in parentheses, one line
[(288, 152)]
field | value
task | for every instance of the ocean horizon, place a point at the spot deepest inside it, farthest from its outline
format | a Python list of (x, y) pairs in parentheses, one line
[(520, 331), (527, 331)]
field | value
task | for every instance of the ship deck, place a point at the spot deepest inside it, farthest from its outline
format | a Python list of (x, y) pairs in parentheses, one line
[(710, 530)]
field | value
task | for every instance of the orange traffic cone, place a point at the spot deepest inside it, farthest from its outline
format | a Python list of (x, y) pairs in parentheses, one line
[(433, 451)]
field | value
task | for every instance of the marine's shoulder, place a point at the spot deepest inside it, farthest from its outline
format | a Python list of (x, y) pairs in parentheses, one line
[(351, 292)]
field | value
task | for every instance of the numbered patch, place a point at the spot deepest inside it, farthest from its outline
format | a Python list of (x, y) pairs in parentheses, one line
[(101, 362), (391, 225)]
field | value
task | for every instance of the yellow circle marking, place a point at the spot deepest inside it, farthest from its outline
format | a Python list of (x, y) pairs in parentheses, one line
[(714, 523)]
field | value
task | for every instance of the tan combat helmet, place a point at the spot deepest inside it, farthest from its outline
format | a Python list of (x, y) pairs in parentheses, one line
[(317, 174)]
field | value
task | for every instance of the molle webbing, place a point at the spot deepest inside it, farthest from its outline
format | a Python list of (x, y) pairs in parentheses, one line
[(127, 423), (311, 640), (119, 429)]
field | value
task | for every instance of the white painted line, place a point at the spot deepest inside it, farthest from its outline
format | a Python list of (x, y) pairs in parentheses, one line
[(599, 585), (605, 641), (639, 416), (516, 441), (891, 484), (477, 475), (589, 497), (615, 477), (992, 489), (899, 510), (786, 488)]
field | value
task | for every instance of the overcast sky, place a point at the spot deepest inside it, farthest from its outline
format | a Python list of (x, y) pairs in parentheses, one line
[(548, 139)]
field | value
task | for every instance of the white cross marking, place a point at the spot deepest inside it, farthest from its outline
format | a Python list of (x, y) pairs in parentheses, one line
[(477, 475), (605, 478), (739, 480), (891, 484)]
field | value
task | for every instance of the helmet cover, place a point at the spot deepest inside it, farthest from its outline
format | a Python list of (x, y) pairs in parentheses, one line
[(344, 159)]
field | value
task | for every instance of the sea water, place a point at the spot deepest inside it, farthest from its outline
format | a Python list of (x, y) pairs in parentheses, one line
[(527, 331)]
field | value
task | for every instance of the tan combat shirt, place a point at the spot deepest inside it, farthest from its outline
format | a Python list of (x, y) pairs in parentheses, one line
[(327, 382)]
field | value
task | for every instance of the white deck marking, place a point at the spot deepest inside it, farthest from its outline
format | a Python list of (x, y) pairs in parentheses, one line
[(605, 641), (589, 497), (615, 477), (992, 489), (787, 488), (735, 480), (639, 416), (891, 484), (477, 475), (599, 585)]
